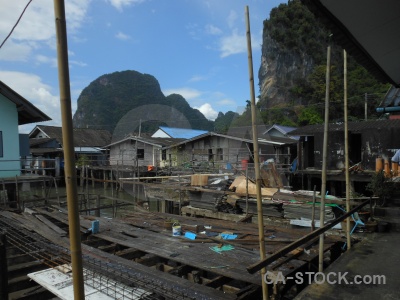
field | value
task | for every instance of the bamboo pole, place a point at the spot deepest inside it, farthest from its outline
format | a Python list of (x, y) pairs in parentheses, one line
[(324, 161), (68, 147), (285, 250), (256, 158), (346, 149), (313, 210)]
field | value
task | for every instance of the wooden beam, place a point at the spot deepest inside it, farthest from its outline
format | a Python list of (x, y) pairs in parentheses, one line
[(218, 281), (51, 225), (249, 292), (258, 266), (130, 253)]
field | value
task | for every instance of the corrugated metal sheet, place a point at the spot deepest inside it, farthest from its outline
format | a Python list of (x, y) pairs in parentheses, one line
[(353, 127), (83, 137), (182, 133)]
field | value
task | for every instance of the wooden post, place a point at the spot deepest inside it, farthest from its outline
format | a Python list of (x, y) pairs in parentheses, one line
[(112, 183), (82, 170), (180, 192), (88, 205), (3, 268), (313, 211), (17, 192), (256, 158), (68, 148), (114, 208), (44, 191), (92, 177), (365, 102), (5, 192), (97, 211), (87, 182), (56, 187), (346, 149), (247, 190), (308, 237), (163, 205), (324, 161)]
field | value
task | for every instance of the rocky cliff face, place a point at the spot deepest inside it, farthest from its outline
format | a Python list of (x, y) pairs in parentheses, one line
[(280, 70), (111, 97)]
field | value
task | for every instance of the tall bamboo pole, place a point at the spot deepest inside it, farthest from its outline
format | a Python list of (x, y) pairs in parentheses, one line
[(68, 147), (260, 215), (324, 161), (346, 148)]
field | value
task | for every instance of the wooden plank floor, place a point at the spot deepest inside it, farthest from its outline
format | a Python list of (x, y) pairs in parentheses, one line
[(140, 242), (144, 232)]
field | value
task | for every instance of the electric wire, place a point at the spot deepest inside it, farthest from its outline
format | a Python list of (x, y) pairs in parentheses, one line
[(19, 19)]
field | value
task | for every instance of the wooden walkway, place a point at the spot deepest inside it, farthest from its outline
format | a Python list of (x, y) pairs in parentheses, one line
[(184, 268)]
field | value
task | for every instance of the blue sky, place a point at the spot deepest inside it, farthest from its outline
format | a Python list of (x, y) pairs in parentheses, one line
[(195, 48)]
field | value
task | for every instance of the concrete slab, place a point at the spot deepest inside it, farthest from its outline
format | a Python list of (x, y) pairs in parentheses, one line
[(372, 268)]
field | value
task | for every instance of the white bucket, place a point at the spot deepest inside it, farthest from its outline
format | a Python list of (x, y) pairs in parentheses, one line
[(176, 229)]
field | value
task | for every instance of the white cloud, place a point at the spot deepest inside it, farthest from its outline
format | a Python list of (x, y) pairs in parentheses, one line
[(213, 30), (208, 111), (187, 93), (42, 59), (122, 36), (77, 63), (232, 18), (226, 102), (193, 30), (12, 51), (35, 91), (76, 11), (119, 4), (233, 44), (36, 27), (237, 43), (197, 78)]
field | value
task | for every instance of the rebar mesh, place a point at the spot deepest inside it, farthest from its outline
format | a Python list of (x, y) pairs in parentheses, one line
[(113, 279)]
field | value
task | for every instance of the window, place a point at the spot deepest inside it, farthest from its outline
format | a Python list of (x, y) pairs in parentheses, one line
[(140, 153), (1, 143), (210, 155), (220, 154)]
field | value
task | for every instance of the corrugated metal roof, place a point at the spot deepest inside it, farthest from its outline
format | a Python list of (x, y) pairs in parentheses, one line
[(39, 141), (352, 126), (158, 142), (42, 151), (87, 150), (279, 141), (83, 137), (182, 133), (392, 97)]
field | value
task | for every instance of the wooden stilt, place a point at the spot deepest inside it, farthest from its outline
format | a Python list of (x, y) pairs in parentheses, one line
[(97, 211), (3, 268)]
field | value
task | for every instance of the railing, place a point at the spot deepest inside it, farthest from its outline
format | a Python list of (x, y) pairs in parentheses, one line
[(285, 250)]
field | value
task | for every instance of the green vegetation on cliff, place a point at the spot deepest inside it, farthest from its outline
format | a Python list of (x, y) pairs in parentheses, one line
[(297, 33), (110, 97)]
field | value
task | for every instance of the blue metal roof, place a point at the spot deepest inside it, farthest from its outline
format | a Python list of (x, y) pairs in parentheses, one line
[(182, 133)]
